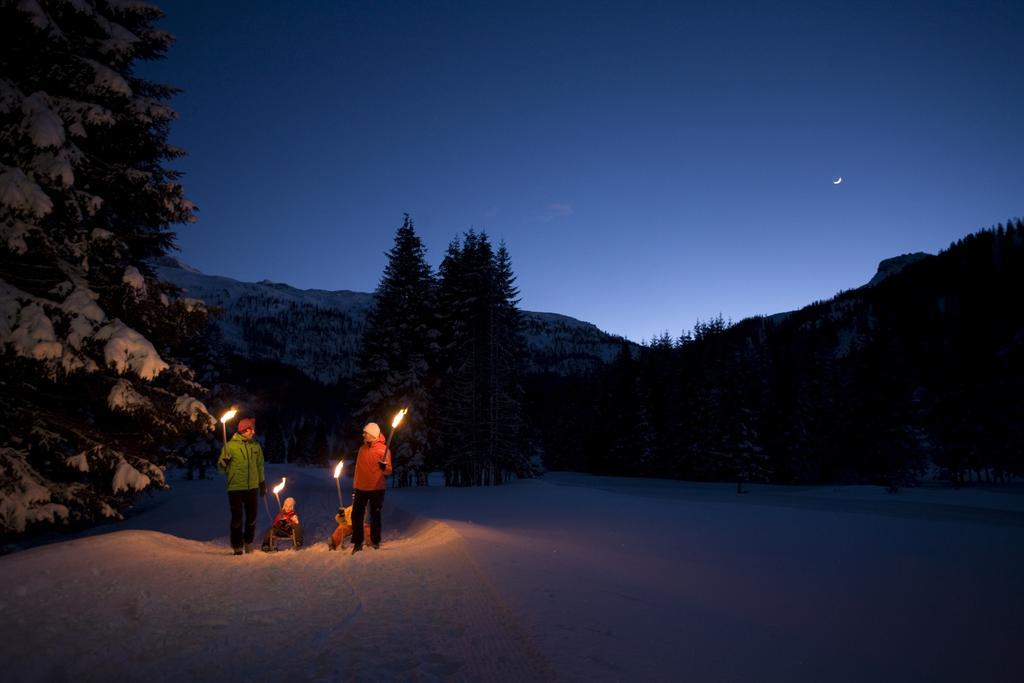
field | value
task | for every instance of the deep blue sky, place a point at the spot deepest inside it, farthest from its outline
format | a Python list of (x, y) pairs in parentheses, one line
[(647, 163)]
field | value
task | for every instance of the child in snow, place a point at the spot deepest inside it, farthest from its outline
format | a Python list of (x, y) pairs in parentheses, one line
[(344, 530), (286, 525)]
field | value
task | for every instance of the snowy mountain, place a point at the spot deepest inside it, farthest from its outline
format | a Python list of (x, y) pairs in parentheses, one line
[(563, 345), (313, 330), (891, 266), (886, 269), (848, 315), (319, 331)]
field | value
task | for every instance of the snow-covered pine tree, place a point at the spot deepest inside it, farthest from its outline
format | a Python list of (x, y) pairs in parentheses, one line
[(92, 395), (397, 355)]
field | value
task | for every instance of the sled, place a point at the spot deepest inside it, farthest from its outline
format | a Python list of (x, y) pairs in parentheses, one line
[(276, 537)]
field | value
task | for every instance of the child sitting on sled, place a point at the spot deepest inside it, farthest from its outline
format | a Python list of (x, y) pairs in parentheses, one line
[(344, 530), (286, 525)]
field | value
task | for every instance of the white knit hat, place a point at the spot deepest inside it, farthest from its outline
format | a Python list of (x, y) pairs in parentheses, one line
[(372, 429)]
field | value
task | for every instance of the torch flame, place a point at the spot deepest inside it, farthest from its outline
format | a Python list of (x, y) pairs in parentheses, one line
[(228, 415), (398, 417), (337, 470), (277, 489)]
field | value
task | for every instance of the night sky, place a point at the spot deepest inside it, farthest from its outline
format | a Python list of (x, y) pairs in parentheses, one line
[(648, 164)]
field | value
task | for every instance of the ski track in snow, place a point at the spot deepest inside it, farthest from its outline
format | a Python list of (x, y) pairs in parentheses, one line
[(418, 609)]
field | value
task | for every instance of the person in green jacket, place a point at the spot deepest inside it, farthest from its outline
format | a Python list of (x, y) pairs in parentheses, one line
[(242, 460)]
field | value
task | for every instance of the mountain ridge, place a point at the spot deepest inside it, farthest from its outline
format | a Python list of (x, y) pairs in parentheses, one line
[(319, 331)]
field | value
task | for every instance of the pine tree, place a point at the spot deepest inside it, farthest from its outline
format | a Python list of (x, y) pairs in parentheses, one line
[(398, 351), (629, 441), (301, 448), (319, 455), (274, 447), (456, 396), (481, 421), (93, 394), (507, 357)]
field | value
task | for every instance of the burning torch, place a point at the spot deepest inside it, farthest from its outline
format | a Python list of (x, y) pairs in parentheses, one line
[(224, 423), (277, 490), (394, 425), (337, 483)]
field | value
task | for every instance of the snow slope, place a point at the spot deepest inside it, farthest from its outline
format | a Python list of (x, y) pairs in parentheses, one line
[(314, 330), (319, 332), (571, 577)]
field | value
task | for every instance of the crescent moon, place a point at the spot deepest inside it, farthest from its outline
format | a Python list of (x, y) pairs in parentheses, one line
[(836, 182)]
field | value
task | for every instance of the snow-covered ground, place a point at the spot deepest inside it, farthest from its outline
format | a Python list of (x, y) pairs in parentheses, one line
[(571, 577)]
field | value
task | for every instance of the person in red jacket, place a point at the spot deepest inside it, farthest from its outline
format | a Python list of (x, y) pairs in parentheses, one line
[(286, 524), (373, 465)]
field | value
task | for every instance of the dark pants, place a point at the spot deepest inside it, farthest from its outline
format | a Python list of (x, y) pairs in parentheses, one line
[(243, 501), (359, 501)]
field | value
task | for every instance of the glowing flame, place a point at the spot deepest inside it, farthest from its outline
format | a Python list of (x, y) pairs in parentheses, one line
[(398, 417), (277, 489), (337, 470), (228, 415)]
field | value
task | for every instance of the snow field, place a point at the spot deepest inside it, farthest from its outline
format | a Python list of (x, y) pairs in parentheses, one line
[(631, 579), (137, 604), (570, 578)]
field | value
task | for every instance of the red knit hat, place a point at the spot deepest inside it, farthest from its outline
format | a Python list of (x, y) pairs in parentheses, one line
[(246, 423)]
